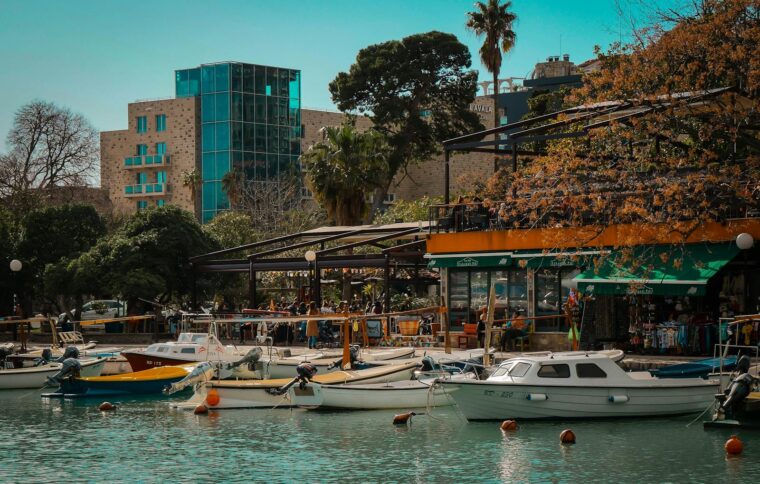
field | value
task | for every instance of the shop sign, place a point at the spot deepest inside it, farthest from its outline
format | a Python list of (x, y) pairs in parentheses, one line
[(481, 108), (467, 262)]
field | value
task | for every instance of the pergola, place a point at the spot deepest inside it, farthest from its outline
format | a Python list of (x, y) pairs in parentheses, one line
[(400, 245), (578, 121)]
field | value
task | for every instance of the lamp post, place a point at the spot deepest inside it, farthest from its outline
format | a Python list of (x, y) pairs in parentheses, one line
[(311, 258), (15, 266)]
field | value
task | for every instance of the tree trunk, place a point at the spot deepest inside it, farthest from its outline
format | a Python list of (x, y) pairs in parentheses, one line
[(496, 119), (377, 202)]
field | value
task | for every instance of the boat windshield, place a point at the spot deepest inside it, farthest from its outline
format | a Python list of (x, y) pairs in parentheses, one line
[(151, 349), (503, 369), (520, 369), (199, 338)]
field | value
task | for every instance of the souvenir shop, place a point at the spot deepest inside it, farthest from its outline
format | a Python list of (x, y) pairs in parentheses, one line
[(684, 305)]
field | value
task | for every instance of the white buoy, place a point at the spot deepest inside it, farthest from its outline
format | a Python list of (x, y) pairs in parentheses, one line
[(537, 397)]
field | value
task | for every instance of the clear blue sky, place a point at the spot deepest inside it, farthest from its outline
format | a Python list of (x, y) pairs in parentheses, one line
[(95, 56)]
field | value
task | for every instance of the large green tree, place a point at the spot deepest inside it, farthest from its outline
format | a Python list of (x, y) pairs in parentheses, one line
[(343, 167), (494, 21), (147, 257), (416, 90), (51, 234)]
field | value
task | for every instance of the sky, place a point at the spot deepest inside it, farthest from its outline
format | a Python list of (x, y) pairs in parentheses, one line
[(96, 56)]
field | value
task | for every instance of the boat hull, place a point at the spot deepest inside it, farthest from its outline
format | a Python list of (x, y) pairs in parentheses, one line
[(141, 361), (258, 394), (406, 394), (151, 381), (483, 400), (36, 377)]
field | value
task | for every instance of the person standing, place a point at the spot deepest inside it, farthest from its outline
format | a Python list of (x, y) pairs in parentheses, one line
[(312, 326), (482, 328)]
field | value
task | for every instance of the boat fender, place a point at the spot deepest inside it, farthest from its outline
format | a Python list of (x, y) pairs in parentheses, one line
[(618, 398), (200, 410), (106, 407), (537, 397), (213, 398), (508, 425)]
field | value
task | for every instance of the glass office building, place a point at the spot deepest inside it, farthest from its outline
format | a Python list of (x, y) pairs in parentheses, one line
[(250, 121)]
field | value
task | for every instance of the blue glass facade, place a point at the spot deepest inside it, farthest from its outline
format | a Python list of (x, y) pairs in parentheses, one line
[(250, 121)]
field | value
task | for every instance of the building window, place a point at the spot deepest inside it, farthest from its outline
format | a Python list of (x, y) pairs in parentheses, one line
[(160, 148), (142, 178), (161, 177), (160, 122), (142, 150), (160, 202), (142, 124), (142, 204)]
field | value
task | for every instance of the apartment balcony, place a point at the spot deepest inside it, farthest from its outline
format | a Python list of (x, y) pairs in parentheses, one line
[(146, 161), (147, 190)]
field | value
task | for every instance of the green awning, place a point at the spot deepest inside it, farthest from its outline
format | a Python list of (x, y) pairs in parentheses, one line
[(544, 260), (665, 270), (470, 260)]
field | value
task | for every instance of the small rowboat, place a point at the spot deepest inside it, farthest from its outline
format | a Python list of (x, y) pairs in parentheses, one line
[(37, 376), (143, 382), (372, 396)]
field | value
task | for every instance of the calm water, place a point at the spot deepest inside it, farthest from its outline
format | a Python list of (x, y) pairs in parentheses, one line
[(145, 440)]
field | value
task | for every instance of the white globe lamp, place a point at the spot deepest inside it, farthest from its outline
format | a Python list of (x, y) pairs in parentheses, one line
[(16, 265), (310, 255), (745, 241)]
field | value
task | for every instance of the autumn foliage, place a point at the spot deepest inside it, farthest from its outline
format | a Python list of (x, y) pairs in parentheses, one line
[(681, 160)]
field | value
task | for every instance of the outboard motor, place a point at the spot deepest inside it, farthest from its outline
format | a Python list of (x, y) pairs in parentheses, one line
[(250, 358), (200, 373), (70, 368), (47, 354), (353, 354), (305, 372), (71, 352), (429, 364), (740, 387)]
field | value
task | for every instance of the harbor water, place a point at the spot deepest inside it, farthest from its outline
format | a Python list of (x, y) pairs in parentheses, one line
[(145, 440)]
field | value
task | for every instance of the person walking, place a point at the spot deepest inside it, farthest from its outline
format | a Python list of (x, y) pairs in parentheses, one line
[(312, 326)]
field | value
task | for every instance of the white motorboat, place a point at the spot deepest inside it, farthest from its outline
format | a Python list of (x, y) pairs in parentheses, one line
[(224, 394), (36, 376), (371, 396), (576, 385), (189, 348)]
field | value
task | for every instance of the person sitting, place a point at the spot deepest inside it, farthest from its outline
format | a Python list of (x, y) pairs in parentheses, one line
[(515, 328)]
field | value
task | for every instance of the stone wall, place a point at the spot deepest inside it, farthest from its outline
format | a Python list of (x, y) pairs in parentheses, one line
[(182, 138)]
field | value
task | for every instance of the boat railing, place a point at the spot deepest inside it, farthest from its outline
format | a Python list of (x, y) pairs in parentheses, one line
[(721, 350)]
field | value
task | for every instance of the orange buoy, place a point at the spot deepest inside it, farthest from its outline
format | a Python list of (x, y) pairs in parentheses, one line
[(509, 425), (106, 406), (403, 418), (213, 398), (734, 446), (200, 410), (567, 437)]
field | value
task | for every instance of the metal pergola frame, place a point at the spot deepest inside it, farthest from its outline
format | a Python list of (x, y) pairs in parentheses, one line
[(579, 122), (267, 260)]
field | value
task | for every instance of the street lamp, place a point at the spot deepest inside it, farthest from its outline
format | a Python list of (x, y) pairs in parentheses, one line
[(311, 257), (15, 266), (744, 241)]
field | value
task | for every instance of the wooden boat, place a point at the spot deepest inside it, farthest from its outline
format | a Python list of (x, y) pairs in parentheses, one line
[(576, 386), (152, 381), (695, 369), (372, 396), (36, 376), (286, 367), (262, 393)]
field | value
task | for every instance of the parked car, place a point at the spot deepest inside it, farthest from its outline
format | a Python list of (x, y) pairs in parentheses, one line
[(98, 309)]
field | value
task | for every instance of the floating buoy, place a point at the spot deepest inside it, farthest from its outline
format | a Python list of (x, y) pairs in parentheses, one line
[(403, 418), (567, 437), (734, 446), (509, 425), (201, 410), (106, 406), (213, 398)]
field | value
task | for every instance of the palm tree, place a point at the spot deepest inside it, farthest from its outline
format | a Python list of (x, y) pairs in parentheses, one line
[(232, 184), (192, 180), (343, 168), (494, 21)]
